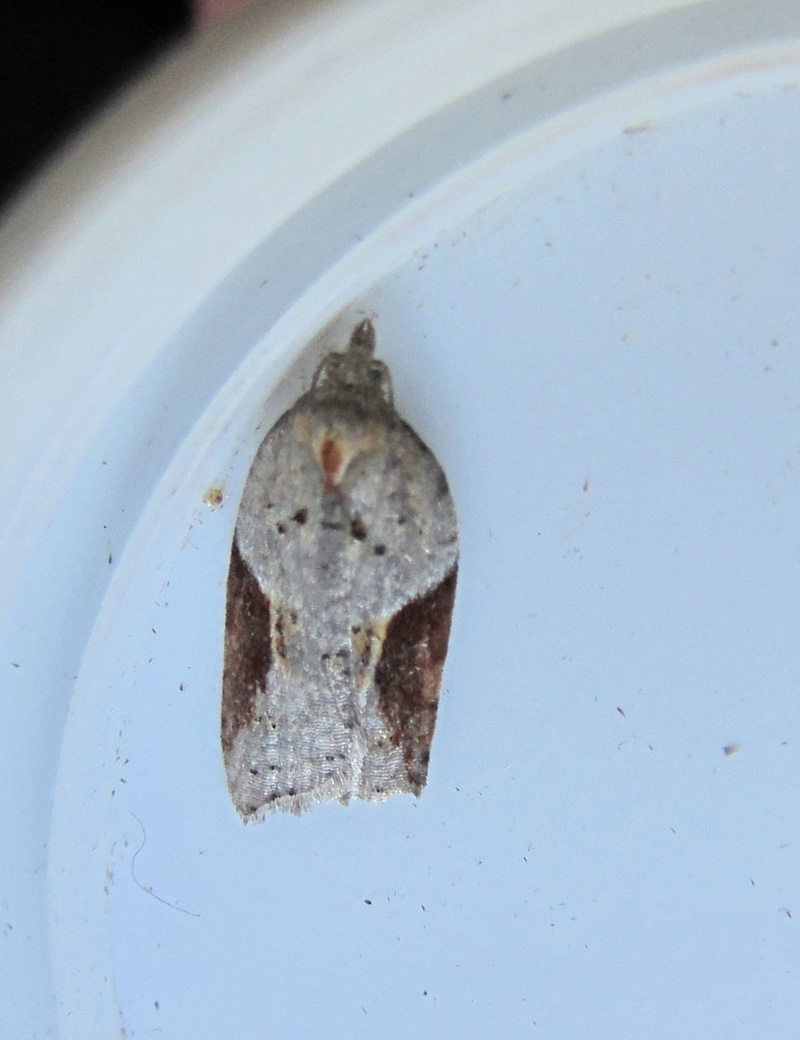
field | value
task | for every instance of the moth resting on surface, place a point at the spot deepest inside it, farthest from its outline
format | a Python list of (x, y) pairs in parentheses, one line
[(340, 593)]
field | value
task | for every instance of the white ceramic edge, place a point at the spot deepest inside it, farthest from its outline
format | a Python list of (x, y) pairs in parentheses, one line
[(550, 142)]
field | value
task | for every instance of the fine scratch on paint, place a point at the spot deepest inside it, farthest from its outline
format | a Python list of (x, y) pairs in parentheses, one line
[(340, 593), (147, 888)]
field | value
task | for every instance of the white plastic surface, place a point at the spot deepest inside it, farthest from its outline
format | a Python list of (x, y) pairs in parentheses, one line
[(579, 237)]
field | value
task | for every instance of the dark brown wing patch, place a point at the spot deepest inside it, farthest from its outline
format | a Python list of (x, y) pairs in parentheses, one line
[(248, 648), (409, 672)]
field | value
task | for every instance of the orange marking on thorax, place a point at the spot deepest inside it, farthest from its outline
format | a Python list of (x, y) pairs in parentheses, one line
[(330, 457)]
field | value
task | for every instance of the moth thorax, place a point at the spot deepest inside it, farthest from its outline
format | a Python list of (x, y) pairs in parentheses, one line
[(336, 444)]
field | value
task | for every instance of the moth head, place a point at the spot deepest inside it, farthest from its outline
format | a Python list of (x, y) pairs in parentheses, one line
[(356, 371)]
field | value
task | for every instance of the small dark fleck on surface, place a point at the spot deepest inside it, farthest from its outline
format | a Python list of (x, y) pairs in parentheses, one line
[(281, 529), (300, 516), (379, 550), (368, 902), (357, 530)]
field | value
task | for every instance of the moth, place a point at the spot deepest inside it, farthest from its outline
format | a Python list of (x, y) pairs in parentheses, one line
[(340, 593)]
